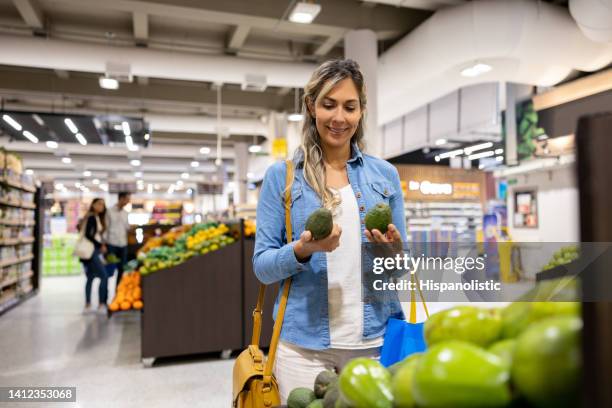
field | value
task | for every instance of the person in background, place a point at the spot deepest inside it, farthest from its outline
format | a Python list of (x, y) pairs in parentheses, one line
[(118, 227), (94, 231)]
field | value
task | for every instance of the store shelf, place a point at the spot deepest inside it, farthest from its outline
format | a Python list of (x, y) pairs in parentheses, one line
[(16, 261), (8, 283), (16, 223), (7, 304), (20, 186), (18, 204), (16, 241)]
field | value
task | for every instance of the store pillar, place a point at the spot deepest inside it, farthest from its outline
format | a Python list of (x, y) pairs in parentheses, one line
[(240, 172), (362, 46)]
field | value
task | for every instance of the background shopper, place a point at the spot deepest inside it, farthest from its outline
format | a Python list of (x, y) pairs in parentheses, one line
[(326, 323), (117, 229), (94, 267)]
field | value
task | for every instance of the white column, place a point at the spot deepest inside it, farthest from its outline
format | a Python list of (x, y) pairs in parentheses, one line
[(240, 174), (362, 46)]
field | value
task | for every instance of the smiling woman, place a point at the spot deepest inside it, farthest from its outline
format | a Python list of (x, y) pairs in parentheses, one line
[(326, 321)]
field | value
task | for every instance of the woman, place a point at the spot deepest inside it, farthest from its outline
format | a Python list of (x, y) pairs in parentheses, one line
[(95, 225), (326, 323)]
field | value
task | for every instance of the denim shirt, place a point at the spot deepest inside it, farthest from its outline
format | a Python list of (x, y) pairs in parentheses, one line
[(306, 322)]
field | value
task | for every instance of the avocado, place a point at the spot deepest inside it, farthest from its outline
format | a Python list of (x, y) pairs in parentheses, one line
[(468, 323), (403, 383), (318, 403), (323, 381), (331, 396), (378, 218), (320, 223), (505, 350), (300, 397)]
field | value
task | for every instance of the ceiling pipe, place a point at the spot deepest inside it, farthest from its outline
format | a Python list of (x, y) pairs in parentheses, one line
[(523, 41), (594, 17)]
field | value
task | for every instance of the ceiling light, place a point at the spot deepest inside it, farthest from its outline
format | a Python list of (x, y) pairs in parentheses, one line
[(156, 186), (471, 149), (205, 150), (190, 191), (117, 127), (81, 139), (12, 122), (195, 164), (437, 158), (499, 151), (140, 187), (77, 184), (150, 188), (481, 166), (52, 144), (87, 173), (71, 125), (171, 189), (452, 153), (475, 70), (104, 187), (133, 148), (250, 175), (95, 181), (179, 183), (126, 128), (184, 175), (59, 186), (30, 136), (138, 174), (38, 119), (66, 160), (254, 148), (295, 117), (108, 83), (29, 172), (135, 162), (500, 158), (147, 136), (476, 156), (304, 13), (441, 142)]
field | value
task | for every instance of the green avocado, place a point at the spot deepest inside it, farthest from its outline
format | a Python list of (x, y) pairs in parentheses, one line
[(318, 403), (331, 396), (378, 218), (403, 383), (320, 223), (324, 380), (300, 397), (468, 323), (505, 350)]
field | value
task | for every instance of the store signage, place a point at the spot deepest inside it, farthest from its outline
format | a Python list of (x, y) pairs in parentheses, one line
[(210, 188), (121, 186), (428, 188)]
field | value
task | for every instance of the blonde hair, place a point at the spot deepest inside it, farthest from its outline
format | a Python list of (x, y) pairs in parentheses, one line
[(322, 81)]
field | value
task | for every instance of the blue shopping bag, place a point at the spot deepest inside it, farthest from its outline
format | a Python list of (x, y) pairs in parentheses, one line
[(404, 338)]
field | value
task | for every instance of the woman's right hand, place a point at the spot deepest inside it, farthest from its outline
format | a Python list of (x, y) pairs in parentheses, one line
[(306, 246)]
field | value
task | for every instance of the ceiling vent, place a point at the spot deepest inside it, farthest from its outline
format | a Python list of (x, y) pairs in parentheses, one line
[(254, 82)]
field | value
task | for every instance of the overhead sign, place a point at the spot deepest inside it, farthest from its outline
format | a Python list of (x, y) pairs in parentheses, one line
[(210, 188), (122, 186)]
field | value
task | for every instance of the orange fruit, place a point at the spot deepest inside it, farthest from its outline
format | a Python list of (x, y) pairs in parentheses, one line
[(125, 305), (114, 307), (138, 305)]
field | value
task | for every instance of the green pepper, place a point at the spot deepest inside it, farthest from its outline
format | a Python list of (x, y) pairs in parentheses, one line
[(365, 383)]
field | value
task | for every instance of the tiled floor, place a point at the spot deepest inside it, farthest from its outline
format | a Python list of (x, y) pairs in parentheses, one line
[(47, 341)]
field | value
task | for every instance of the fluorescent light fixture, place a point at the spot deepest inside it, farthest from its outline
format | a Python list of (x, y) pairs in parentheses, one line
[(205, 150), (437, 158), (147, 136), (66, 160), (135, 162), (133, 148), (95, 181), (254, 148), (190, 191), (71, 125), (52, 144), (476, 70), (81, 139), (476, 156), (87, 173), (108, 83), (150, 188), (481, 166), (171, 189), (304, 13), (138, 174), (441, 142), (500, 158), (29, 172), (295, 117), (185, 175), (195, 164), (12, 122), (452, 153), (126, 128), (117, 127), (472, 149), (30, 136), (499, 151), (38, 119)]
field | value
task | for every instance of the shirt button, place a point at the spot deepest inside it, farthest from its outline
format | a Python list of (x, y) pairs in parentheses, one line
[(362, 208), (358, 194)]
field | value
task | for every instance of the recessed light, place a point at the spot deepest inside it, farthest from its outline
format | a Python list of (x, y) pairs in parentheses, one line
[(304, 13), (87, 173), (30, 136), (184, 175), (135, 162), (295, 117), (476, 70), (138, 174), (147, 136), (29, 172), (179, 183), (499, 151), (254, 148), (95, 181), (66, 160), (195, 163), (205, 150), (108, 83), (52, 144), (12, 122), (441, 142)]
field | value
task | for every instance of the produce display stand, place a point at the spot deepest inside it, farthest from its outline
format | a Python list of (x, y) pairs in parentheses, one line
[(195, 307)]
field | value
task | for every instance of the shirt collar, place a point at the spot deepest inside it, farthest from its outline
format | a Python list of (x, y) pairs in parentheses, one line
[(356, 155)]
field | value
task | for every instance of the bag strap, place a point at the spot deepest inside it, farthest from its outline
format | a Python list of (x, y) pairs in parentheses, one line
[(413, 302)]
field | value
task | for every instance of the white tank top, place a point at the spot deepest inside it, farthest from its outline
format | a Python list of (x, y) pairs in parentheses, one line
[(344, 279)]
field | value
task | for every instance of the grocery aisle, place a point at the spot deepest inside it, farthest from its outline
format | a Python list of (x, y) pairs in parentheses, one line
[(46, 341)]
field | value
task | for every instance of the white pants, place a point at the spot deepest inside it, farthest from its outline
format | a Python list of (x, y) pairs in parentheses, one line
[(298, 367)]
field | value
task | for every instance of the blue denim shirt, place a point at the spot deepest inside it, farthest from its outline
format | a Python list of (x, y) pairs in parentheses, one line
[(306, 321)]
